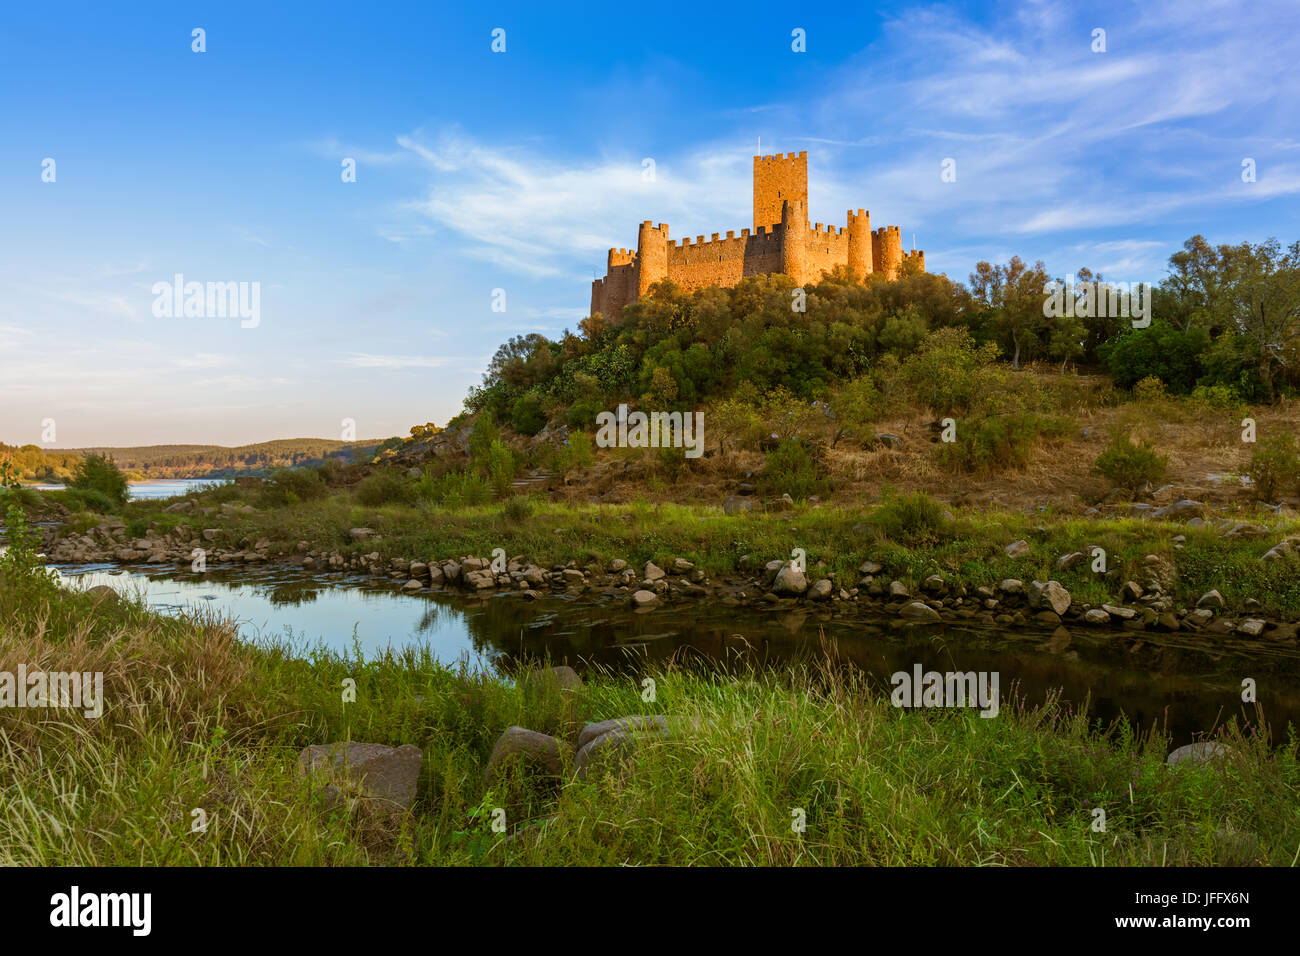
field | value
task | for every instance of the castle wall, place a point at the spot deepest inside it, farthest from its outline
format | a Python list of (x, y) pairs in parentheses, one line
[(824, 248), (723, 261)]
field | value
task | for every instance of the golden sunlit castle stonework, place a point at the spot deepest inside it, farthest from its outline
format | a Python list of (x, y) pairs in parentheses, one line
[(782, 240)]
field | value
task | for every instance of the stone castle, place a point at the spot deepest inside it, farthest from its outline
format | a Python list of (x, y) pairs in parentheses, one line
[(782, 241)]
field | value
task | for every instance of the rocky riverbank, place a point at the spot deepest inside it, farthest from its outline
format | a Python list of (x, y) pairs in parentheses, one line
[(1144, 602)]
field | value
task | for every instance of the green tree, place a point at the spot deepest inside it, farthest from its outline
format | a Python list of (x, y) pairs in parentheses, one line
[(100, 473)]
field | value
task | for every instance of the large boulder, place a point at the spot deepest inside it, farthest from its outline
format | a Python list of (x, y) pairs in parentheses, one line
[(102, 592), (1210, 599), (387, 775), (656, 723), (916, 611), (1049, 595), (790, 581), (519, 745), (1204, 751), (614, 749)]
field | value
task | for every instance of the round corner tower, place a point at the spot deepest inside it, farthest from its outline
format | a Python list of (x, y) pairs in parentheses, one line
[(794, 234), (859, 254)]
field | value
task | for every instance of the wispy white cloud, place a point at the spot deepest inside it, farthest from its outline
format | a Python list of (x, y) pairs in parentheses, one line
[(364, 360)]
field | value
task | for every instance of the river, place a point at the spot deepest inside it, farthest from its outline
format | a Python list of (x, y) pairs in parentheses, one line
[(1181, 681), (155, 488)]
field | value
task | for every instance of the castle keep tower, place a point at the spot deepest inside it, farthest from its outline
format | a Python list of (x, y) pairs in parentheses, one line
[(776, 179), (782, 240)]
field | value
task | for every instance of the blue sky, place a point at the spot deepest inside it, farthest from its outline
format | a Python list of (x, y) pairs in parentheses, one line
[(479, 171)]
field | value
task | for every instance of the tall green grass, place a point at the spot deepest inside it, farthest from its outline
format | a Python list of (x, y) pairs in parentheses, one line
[(196, 719)]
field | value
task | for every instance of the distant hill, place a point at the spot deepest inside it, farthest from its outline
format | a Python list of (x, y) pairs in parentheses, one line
[(192, 461)]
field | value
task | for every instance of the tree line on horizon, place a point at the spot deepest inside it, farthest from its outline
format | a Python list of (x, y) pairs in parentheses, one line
[(33, 463)]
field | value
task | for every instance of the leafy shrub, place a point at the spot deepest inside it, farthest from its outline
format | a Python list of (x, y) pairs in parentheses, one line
[(582, 414), (914, 518), (290, 485), (790, 469), (1000, 442), (527, 416), (88, 499), (1130, 466), (856, 408), (500, 467), (99, 473), (948, 372), (455, 489), (1274, 467), (517, 509), (575, 454), (384, 487), (1149, 389), (1218, 398), (481, 437), (19, 559)]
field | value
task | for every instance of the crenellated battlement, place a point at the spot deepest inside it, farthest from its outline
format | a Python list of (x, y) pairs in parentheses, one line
[(782, 240)]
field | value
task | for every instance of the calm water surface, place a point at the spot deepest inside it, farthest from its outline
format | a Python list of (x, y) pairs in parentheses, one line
[(1180, 681)]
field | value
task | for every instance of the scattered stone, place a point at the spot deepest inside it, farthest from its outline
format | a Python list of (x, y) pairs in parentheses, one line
[(359, 534), (1096, 615), (386, 774), (1251, 627), (644, 598), (820, 590), (1186, 508), (1202, 752), (653, 572), (1200, 617), (790, 582), (1054, 596), (636, 722), (537, 751), (1277, 552), (615, 566), (682, 566), (871, 567), (916, 611), (1123, 613), (103, 592), (933, 584), (1012, 586), (1211, 599), (1068, 561), (562, 675), (615, 747), (479, 580), (1017, 549), (897, 589)]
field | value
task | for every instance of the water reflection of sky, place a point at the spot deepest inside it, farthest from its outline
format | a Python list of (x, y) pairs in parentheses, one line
[(303, 612), (162, 488)]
